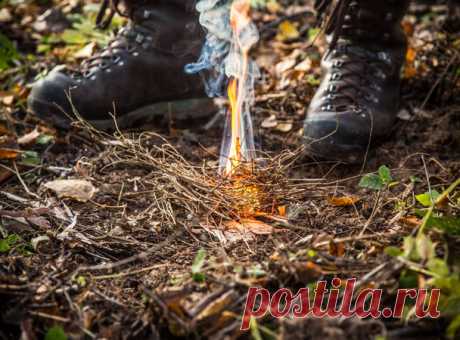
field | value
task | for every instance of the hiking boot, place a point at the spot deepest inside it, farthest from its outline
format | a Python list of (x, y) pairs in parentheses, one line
[(357, 101), (138, 76)]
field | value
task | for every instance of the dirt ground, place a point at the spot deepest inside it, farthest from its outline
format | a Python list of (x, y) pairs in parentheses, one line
[(141, 251)]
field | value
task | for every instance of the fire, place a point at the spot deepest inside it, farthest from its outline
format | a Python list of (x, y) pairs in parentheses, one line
[(240, 140)]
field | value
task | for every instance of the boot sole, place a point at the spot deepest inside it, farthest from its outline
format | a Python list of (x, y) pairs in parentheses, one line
[(178, 110), (346, 154)]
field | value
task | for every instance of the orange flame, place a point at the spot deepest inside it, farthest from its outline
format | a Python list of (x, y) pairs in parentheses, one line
[(234, 157), (239, 19)]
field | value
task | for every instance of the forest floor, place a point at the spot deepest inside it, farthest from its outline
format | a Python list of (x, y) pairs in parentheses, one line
[(137, 250)]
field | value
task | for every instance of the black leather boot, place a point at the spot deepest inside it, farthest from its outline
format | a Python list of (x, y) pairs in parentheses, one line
[(139, 76), (358, 98)]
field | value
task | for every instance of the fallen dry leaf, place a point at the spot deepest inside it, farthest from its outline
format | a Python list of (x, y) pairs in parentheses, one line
[(29, 138), (5, 174), (86, 51), (284, 127), (80, 190), (216, 306), (8, 100), (256, 227), (4, 130), (336, 249), (304, 66), (282, 210), (344, 201), (287, 31), (269, 122), (411, 221), (410, 55), (8, 154)]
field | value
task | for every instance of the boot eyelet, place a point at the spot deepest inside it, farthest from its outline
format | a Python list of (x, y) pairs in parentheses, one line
[(92, 78), (116, 59), (139, 38), (108, 70), (121, 63), (357, 109), (327, 107), (338, 63), (135, 54), (332, 88), (336, 76)]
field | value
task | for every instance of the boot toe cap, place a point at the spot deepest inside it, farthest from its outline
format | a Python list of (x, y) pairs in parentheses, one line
[(48, 99), (332, 138)]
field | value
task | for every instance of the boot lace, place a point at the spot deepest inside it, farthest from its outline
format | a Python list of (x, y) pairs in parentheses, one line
[(127, 40), (356, 72), (356, 76)]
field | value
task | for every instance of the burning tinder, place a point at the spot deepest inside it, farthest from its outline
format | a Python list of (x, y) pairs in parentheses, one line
[(238, 142)]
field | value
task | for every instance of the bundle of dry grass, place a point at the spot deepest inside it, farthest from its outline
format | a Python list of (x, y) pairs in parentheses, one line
[(181, 190)]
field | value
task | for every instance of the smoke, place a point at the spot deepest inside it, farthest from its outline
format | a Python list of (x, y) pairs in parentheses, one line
[(221, 57)]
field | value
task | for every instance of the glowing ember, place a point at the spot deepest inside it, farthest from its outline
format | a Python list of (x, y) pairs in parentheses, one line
[(238, 142)]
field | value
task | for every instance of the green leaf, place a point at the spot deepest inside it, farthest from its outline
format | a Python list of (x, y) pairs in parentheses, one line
[(453, 327), (313, 33), (426, 200), (7, 243), (372, 181), (198, 277), (45, 139), (197, 266), (255, 332), (415, 179), (438, 266), (4, 246), (74, 37), (55, 333), (81, 280), (410, 251), (385, 174), (7, 52), (393, 251), (30, 158), (448, 224), (256, 271), (408, 279)]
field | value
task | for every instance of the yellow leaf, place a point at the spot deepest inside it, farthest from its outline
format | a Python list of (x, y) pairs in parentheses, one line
[(344, 201), (409, 72), (273, 7), (287, 31), (411, 55)]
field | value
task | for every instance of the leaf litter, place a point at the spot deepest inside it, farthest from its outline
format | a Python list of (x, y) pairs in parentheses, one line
[(161, 249)]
